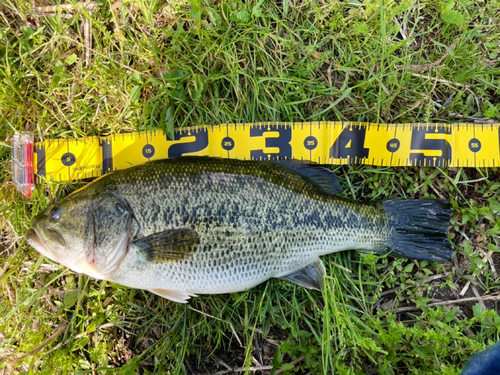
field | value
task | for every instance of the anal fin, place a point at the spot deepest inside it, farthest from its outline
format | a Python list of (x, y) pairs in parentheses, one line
[(310, 276), (173, 295)]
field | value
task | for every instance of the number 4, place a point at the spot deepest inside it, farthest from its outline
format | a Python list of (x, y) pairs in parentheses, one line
[(350, 144)]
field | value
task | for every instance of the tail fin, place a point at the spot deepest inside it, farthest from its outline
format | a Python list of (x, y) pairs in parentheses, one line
[(418, 228)]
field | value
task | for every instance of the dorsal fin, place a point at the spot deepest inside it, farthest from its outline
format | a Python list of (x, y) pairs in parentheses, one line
[(310, 276), (169, 245), (322, 178)]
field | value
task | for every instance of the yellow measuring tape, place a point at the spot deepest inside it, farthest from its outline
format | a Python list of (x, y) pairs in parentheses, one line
[(438, 145)]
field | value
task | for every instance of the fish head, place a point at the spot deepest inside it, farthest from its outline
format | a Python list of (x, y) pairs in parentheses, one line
[(88, 234)]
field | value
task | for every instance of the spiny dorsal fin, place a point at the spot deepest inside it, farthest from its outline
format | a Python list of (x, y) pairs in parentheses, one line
[(173, 295), (324, 179), (169, 245), (310, 276)]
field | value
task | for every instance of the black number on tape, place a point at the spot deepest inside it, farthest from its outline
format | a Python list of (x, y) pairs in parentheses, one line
[(179, 149), (350, 144), (421, 142), (282, 142)]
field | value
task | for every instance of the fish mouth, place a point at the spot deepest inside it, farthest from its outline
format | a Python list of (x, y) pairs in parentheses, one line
[(36, 242)]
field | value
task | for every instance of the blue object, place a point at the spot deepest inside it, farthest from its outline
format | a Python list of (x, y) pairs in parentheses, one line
[(486, 362)]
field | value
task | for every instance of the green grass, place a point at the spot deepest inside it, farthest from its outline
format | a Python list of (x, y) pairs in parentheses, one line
[(159, 64)]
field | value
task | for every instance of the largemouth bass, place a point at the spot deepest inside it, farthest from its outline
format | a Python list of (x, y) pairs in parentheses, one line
[(193, 225)]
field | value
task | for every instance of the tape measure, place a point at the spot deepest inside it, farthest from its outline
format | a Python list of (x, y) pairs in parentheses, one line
[(437, 145)]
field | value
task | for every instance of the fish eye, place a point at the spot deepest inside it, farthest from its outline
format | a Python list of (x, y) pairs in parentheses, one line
[(55, 214)]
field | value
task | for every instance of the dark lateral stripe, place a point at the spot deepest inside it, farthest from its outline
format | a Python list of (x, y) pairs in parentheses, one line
[(107, 155)]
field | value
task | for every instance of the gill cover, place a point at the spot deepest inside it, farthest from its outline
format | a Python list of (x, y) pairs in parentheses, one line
[(107, 234)]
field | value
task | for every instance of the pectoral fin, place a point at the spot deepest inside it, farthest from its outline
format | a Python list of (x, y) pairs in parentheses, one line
[(173, 295), (310, 276), (169, 245)]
